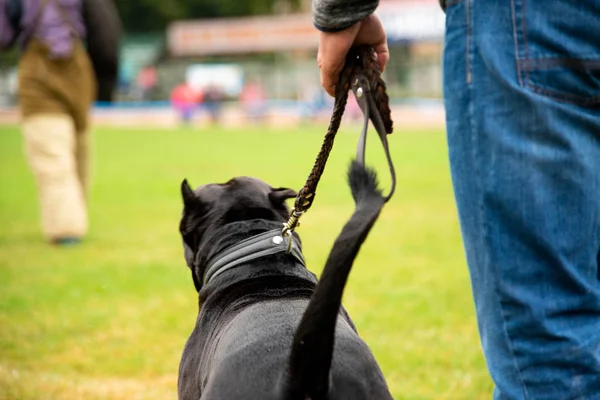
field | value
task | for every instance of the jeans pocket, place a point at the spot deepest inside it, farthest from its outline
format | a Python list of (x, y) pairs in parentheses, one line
[(558, 48)]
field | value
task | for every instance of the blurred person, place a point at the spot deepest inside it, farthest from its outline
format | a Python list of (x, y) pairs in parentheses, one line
[(213, 102), (314, 101), (253, 99), (185, 100), (58, 81), (522, 98), (126, 78), (146, 81)]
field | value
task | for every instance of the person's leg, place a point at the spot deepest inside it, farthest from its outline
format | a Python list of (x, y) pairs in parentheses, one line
[(50, 149), (81, 101), (523, 118), (83, 159)]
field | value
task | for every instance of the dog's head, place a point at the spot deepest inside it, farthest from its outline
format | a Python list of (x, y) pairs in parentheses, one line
[(212, 206)]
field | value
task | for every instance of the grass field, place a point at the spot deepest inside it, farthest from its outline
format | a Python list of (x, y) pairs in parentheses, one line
[(108, 319)]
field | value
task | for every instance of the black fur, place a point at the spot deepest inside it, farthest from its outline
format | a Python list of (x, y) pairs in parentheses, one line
[(266, 329)]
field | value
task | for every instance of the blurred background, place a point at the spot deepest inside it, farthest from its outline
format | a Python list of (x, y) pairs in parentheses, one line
[(208, 90), (254, 59)]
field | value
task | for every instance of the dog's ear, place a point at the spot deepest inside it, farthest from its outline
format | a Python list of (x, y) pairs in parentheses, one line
[(189, 198), (280, 195), (192, 212)]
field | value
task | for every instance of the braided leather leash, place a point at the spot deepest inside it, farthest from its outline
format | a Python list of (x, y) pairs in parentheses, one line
[(362, 75)]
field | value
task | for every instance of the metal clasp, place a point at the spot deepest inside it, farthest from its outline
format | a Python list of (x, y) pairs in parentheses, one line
[(289, 226), (360, 86)]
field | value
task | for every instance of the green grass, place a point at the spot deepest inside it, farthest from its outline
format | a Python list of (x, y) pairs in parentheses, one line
[(108, 319)]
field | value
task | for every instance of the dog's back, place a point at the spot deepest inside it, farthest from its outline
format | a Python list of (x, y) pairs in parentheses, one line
[(252, 353)]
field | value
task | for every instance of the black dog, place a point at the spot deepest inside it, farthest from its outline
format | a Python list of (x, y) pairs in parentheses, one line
[(266, 329)]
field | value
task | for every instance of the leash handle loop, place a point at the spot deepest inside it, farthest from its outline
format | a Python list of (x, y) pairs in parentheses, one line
[(370, 109), (362, 75)]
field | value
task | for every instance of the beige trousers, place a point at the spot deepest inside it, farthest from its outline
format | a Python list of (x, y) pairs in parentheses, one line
[(59, 158), (55, 96)]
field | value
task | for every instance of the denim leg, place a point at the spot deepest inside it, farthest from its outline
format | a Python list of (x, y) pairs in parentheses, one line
[(522, 96)]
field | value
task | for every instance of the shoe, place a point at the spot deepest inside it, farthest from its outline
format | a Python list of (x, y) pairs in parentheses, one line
[(66, 241)]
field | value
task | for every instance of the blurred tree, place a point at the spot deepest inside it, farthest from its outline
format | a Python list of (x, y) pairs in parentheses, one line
[(155, 15)]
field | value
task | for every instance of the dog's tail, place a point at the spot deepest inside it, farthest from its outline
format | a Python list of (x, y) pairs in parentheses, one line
[(312, 349)]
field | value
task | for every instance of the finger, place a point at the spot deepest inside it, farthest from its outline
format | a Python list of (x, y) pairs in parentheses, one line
[(328, 81), (333, 57), (383, 55), (372, 33), (330, 70), (333, 47)]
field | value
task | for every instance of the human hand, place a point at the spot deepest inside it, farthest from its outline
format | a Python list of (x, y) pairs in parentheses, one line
[(333, 47)]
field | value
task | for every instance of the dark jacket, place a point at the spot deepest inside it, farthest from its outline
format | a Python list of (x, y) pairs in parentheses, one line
[(103, 43), (94, 21), (336, 15)]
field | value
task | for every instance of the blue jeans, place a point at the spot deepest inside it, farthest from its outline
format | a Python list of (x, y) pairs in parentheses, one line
[(522, 96)]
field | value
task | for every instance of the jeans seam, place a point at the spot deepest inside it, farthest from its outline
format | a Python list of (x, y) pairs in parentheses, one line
[(516, 43), (485, 228), (598, 261), (571, 62), (474, 137), (567, 98), (525, 47), (468, 44)]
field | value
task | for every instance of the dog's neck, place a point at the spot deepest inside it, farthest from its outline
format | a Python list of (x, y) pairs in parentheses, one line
[(232, 234), (283, 272), (250, 249)]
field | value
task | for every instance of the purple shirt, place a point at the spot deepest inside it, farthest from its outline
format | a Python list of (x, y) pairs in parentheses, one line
[(52, 28)]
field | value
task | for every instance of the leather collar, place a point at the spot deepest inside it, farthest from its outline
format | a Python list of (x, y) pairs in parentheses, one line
[(261, 245)]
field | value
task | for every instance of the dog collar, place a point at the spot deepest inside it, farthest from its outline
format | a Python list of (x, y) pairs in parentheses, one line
[(261, 245)]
